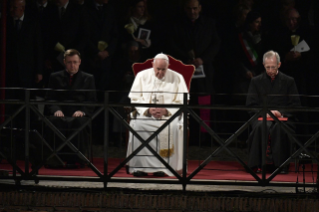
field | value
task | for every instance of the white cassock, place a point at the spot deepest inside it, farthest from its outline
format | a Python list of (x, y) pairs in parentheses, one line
[(169, 143)]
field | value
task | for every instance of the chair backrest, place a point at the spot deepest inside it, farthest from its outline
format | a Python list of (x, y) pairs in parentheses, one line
[(186, 71)]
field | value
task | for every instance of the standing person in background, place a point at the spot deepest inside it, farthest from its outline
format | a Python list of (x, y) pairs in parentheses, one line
[(102, 42), (194, 40), (229, 32), (100, 52), (68, 29), (249, 53), (42, 10), (136, 25), (293, 61), (24, 49)]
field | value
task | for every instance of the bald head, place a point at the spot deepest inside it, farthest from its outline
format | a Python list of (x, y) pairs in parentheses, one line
[(17, 8)]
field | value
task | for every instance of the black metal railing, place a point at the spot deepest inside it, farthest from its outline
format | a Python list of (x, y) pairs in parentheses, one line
[(109, 108)]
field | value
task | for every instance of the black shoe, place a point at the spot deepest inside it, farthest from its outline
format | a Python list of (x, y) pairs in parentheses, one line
[(284, 170), (139, 174), (159, 174), (127, 168)]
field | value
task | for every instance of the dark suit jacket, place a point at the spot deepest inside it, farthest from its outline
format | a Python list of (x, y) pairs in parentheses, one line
[(202, 37), (45, 19), (280, 41), (102, 26), (72, 31), (283, 85), (24, 52), (82, 81)]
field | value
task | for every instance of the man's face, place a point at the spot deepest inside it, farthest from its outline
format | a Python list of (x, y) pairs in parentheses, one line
[(192, 9), (17, 8), (271, 66), (160, 67), (292, 20), (72, 64), (61, 3)]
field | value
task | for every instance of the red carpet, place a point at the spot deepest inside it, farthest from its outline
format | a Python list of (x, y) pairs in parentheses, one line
[(215, 170)]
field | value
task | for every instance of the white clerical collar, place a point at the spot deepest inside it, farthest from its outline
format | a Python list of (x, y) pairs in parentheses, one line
[(21, 18), (44, 5)]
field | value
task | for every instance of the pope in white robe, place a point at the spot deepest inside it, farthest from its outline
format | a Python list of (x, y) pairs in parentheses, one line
[(157, 85)]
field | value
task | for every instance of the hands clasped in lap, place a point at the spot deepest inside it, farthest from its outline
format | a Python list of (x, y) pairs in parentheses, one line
[(276, 113), (157, 112), (78, 113)]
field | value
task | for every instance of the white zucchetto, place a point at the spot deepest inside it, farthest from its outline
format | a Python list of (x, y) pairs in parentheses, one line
[(161, 56)]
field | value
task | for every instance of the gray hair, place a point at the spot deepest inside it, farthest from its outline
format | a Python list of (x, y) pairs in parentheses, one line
[(271, 54)]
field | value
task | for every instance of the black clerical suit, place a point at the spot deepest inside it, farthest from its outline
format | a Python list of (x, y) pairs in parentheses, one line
[(68, 124), (282, 86)]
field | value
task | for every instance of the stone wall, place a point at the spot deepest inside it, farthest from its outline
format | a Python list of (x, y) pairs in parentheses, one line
[(65, 201)]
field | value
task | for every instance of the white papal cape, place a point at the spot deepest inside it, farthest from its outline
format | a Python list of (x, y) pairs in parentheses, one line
[(169, 143)]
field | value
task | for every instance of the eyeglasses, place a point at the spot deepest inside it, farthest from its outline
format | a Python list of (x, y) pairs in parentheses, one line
[(271, 67)]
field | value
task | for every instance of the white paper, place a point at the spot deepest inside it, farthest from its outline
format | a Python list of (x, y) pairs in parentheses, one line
[(144, 34), (301, 47), (199, 72)]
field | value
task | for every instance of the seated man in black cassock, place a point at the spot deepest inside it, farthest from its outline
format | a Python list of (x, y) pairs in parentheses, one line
[(68, 118), (281, 91)]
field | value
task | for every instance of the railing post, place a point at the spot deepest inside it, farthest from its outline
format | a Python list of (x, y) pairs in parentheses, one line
[(185, 137), (264, 139), (106, 135), (27, 129)]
